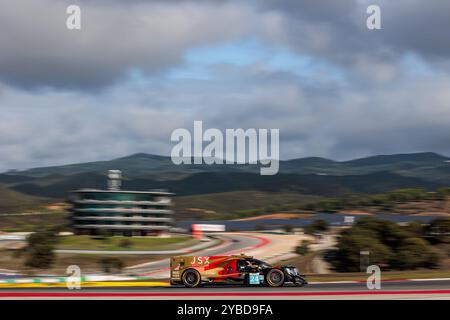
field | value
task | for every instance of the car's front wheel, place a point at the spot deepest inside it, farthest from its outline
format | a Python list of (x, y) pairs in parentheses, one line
[(275, 278), (299, 281), (191, 278)]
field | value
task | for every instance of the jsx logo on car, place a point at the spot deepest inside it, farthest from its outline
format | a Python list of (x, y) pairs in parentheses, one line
[(200, 260)]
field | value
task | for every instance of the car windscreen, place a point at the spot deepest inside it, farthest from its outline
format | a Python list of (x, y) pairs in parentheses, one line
[(260, 263)]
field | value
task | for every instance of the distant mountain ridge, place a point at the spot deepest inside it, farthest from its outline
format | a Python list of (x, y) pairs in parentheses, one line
[(140, 164), (426, 157), (213, 182), (312, 175)]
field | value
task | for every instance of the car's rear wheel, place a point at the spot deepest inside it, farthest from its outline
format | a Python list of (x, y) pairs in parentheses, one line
[(191, 278), (275, 278)]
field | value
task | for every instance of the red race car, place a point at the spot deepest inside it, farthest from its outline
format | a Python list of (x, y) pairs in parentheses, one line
[(193, 271)]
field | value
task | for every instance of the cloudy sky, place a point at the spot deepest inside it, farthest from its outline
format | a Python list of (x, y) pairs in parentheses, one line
[(137, 70)]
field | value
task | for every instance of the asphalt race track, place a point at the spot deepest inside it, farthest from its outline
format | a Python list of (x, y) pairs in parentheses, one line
[(423, 289)]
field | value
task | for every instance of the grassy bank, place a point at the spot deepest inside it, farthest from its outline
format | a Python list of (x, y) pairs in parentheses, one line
[(124, 243), (27, 222), (88, 263), (238, 204)]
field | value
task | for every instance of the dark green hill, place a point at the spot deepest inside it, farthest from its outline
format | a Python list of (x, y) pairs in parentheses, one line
[(411, 158), (13, 200), (138, 164), (161, 167), (313, 175), (60, 187), (13, 178), (212, 182)]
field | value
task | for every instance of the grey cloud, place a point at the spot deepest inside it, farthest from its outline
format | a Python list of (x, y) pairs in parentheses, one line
[(380, 106), (337, 29), (38, 49), (60, 127), (117, 36)]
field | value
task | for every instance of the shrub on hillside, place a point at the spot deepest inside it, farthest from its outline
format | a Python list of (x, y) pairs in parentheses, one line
[(39, 249), (390, 245), (415, 253), (317, 226), (438, 231), (289, 228), (352, 243), (303, 248)]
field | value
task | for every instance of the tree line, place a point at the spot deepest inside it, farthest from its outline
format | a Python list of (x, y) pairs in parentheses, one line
[(383, 200), (392, 246)]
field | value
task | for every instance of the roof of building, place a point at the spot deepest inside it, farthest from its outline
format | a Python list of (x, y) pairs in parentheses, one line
[(156, 192)]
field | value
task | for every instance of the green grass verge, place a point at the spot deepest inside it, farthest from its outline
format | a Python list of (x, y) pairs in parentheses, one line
[(83, 242), (29, 222), (238, 204)]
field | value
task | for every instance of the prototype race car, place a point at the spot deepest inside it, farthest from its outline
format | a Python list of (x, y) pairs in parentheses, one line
[(193, 271)]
